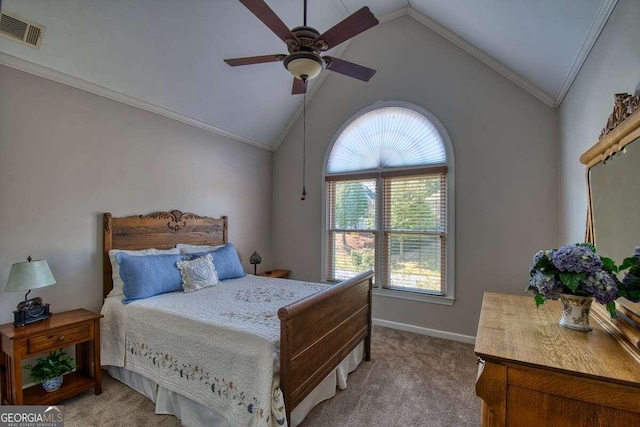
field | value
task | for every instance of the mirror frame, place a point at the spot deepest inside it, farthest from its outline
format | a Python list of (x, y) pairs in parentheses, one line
[(623, 127)]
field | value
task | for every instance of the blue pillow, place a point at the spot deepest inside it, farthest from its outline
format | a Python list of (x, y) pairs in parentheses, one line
[(146, 276), (226, 261)]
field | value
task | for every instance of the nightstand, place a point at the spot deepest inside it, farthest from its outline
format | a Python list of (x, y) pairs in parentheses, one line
[(80, 327), (280, 274)]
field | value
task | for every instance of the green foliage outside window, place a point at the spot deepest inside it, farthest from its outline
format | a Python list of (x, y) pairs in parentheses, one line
[(353, 206), (412, 205)]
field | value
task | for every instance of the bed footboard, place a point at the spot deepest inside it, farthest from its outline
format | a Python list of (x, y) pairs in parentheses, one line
[(317, 332)]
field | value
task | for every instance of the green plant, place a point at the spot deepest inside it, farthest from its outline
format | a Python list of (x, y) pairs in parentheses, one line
[(54, 365), (575, 270), (363, 258), (629, 287)]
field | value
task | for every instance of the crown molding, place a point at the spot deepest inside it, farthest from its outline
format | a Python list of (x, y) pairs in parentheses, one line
[(343, 7), (483, 57), (594, 31), (395, 14), (605, 11), (78, 83), (448, 35)]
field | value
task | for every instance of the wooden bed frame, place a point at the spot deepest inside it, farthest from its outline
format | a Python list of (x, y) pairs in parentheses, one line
[(316, 333)]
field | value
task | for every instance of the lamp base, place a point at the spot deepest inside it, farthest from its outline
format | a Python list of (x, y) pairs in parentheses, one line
[(32, 314)]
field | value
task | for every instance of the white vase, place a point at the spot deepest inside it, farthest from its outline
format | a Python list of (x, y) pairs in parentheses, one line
[(575, 312)]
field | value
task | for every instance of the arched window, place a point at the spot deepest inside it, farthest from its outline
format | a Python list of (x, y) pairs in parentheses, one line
[(389, 204)]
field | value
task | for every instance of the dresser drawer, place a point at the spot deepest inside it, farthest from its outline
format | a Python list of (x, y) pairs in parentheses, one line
[(56, 340)]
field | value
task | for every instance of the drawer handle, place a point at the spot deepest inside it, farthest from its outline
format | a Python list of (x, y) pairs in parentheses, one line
[(61, 338)]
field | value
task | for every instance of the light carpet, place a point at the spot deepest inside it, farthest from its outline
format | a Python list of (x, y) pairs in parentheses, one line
[(411, 380)]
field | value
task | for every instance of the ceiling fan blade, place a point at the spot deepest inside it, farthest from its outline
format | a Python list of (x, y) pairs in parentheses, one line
[(249, 60), (299, 86), (349, 68), (351, 26), (268, 17)]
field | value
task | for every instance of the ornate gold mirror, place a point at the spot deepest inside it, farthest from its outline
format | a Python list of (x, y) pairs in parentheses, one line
[(613, 182)]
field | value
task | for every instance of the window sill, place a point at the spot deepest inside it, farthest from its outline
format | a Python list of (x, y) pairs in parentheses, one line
[(413, 296)]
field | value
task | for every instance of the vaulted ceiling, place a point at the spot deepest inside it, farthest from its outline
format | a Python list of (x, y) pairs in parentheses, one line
[(166, 55)]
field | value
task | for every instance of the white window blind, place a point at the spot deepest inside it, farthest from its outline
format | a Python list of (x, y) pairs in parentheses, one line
[(387, 205), (415, 233), (351, 220), (388, 137)]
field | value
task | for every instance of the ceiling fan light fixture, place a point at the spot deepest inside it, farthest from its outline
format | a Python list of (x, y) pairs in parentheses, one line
[(304, 65), (305, 45)]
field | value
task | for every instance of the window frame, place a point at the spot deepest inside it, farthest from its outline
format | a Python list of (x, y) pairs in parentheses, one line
[(449, 297), (334, 230)]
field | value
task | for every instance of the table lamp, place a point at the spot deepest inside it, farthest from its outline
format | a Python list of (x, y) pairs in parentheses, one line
[(255, 260), (25, 276)]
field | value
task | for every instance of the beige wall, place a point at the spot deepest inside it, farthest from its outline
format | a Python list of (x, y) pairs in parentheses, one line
[(67, 156), (505, 143), (613, 66)]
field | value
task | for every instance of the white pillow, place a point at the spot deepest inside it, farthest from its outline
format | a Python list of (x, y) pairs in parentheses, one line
[(118, 284), (198, 274), (196, 249)]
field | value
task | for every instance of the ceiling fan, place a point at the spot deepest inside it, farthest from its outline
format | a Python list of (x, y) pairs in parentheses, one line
[(305, 45)]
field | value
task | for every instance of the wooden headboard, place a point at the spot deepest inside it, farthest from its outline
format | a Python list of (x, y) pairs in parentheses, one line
[(159, 230)]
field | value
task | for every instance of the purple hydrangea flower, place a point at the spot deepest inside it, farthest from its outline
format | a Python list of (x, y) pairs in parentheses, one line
[(539, 255), (631, 276), (602, 286), (545, 285), (536, 259), (579, 266), (628, 279), (576, 259)]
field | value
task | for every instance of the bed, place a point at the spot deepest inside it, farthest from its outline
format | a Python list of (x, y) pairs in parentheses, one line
[(320, 329)]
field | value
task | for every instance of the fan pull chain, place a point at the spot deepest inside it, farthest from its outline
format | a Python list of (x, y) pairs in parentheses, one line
[(304, 145)]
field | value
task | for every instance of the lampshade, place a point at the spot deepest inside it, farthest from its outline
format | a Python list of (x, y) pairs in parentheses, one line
[(29, 275), (305, 64), (255, 258)]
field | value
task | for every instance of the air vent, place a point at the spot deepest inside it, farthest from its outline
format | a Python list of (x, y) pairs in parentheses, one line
[(15, 27)]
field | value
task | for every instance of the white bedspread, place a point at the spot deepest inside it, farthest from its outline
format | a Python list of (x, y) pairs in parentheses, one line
[(217, 346)]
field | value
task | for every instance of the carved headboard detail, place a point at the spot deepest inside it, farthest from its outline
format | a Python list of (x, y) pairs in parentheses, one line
[(159, 230)]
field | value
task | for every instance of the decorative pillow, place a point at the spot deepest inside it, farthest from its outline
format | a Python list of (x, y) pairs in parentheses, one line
[(226, 261), (146, 276), (193, 249), (115, 267), (198, 273)]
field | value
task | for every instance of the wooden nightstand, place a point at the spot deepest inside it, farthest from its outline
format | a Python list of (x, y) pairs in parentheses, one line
[(280, 274), (80, 327)]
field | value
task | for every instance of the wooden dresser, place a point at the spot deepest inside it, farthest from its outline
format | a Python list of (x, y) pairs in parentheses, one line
[(533, 372)]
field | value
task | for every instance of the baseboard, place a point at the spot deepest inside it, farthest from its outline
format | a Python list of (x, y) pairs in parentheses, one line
[(425, 331)]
